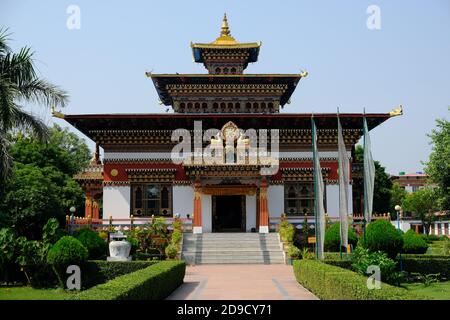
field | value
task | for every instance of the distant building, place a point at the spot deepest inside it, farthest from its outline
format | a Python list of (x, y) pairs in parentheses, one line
[(411, 182)]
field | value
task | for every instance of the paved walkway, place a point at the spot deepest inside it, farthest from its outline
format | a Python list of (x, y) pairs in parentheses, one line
[(240, 282)]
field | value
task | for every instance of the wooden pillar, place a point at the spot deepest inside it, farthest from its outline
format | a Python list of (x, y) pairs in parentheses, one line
[(197, 223), (263, 208), (95, 208), (417, 228), (88, 206)]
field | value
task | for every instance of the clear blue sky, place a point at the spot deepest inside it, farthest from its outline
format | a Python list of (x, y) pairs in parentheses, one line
[(102, 65)]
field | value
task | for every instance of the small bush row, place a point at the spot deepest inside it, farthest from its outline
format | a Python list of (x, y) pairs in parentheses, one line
[(427, 265), (152, 283), (333, 283), (97, 272)]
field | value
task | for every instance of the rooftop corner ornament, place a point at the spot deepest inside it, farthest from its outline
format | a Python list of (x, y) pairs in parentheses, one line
[(57, 114), (396, 111)]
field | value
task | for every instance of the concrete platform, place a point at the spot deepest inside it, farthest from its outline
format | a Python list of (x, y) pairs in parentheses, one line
[(241, 282)]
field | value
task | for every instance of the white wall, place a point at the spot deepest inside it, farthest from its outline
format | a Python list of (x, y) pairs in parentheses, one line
[(183, 200), (276, 200), (332, 200), (250, 208), (206, 213), (116, 201)]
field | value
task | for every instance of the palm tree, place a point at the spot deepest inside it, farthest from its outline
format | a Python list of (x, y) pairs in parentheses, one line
[(19, 84)]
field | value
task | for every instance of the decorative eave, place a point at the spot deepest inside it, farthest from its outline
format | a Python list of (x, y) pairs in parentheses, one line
[(154, 128), (163, 81)]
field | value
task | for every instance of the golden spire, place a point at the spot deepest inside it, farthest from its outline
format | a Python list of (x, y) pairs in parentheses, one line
[(225, 30), (225, 37)]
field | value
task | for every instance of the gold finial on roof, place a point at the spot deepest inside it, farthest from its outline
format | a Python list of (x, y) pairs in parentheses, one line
[(225, 30), (225, 37), (57, 114)]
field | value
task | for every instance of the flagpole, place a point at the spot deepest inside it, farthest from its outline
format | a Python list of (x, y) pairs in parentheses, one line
[(315, 183), (339, 165), (364, 178)]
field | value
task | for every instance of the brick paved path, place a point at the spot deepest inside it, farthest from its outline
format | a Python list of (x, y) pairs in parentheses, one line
[(240, 282)]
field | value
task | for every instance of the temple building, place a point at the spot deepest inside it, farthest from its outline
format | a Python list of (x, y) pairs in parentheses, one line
[(140, 175)]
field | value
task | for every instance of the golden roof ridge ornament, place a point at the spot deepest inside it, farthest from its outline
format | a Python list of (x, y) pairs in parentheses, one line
[(396, 111), (57, 114), (225, 37)]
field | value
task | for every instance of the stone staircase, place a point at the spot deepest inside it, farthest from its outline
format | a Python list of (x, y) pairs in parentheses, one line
[(232, 248)]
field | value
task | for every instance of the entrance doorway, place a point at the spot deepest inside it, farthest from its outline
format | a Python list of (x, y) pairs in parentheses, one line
[(228, 213)]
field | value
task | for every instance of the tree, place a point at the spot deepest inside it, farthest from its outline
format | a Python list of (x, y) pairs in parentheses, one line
[(398, 196), (423, 204), (438, 166), (19, 83), (41, 184), (382, 187)]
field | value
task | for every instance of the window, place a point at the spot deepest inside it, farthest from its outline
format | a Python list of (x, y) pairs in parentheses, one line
[(299, 198), (151, 199)]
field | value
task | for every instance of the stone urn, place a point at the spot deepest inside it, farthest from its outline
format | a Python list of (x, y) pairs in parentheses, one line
[(119, 248)]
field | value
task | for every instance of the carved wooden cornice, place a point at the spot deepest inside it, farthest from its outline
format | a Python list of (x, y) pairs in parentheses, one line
[(222, 190), (163, 137), (226, 89), (302, 174), (233, 170), (151, 175)]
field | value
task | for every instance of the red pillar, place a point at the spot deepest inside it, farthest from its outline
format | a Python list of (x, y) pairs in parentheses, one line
[(263, 208), (197, 223), (88, 206)]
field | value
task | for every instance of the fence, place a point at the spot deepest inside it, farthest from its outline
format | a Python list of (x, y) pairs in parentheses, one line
[(115, 224)]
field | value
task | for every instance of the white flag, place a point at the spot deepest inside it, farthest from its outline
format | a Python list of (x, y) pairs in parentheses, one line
[(318, 196), (344, 181), (369, 175)]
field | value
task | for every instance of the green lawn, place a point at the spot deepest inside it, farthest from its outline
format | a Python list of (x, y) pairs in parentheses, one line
[(28, 293), (436, 248), (439, 290)]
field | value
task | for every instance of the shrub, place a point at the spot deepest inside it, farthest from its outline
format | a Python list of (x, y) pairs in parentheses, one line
[(176, 237), (381, 235), (287, 231), (294, 252), (152, 283), (334, 283), (333, 238), (9, 270), (32, 258), (362, 259), (66, 251), (413, 243), (427, 265), (177, 224), (171, 251), (97, 272), (96, 246), (432, 237), (51, 232)]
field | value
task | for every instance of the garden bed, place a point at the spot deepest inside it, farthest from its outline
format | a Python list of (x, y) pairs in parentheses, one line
[(151, 283), (334, 283)]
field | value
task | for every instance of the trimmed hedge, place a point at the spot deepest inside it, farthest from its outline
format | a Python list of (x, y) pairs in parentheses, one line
[(333, 283), (152, 283), (333, 237), (346, 264), (381, 235), (97, 272), (426, 265), (414, 243)]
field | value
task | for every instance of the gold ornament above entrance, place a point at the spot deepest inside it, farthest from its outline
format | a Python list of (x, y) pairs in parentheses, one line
[(229, 190)]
